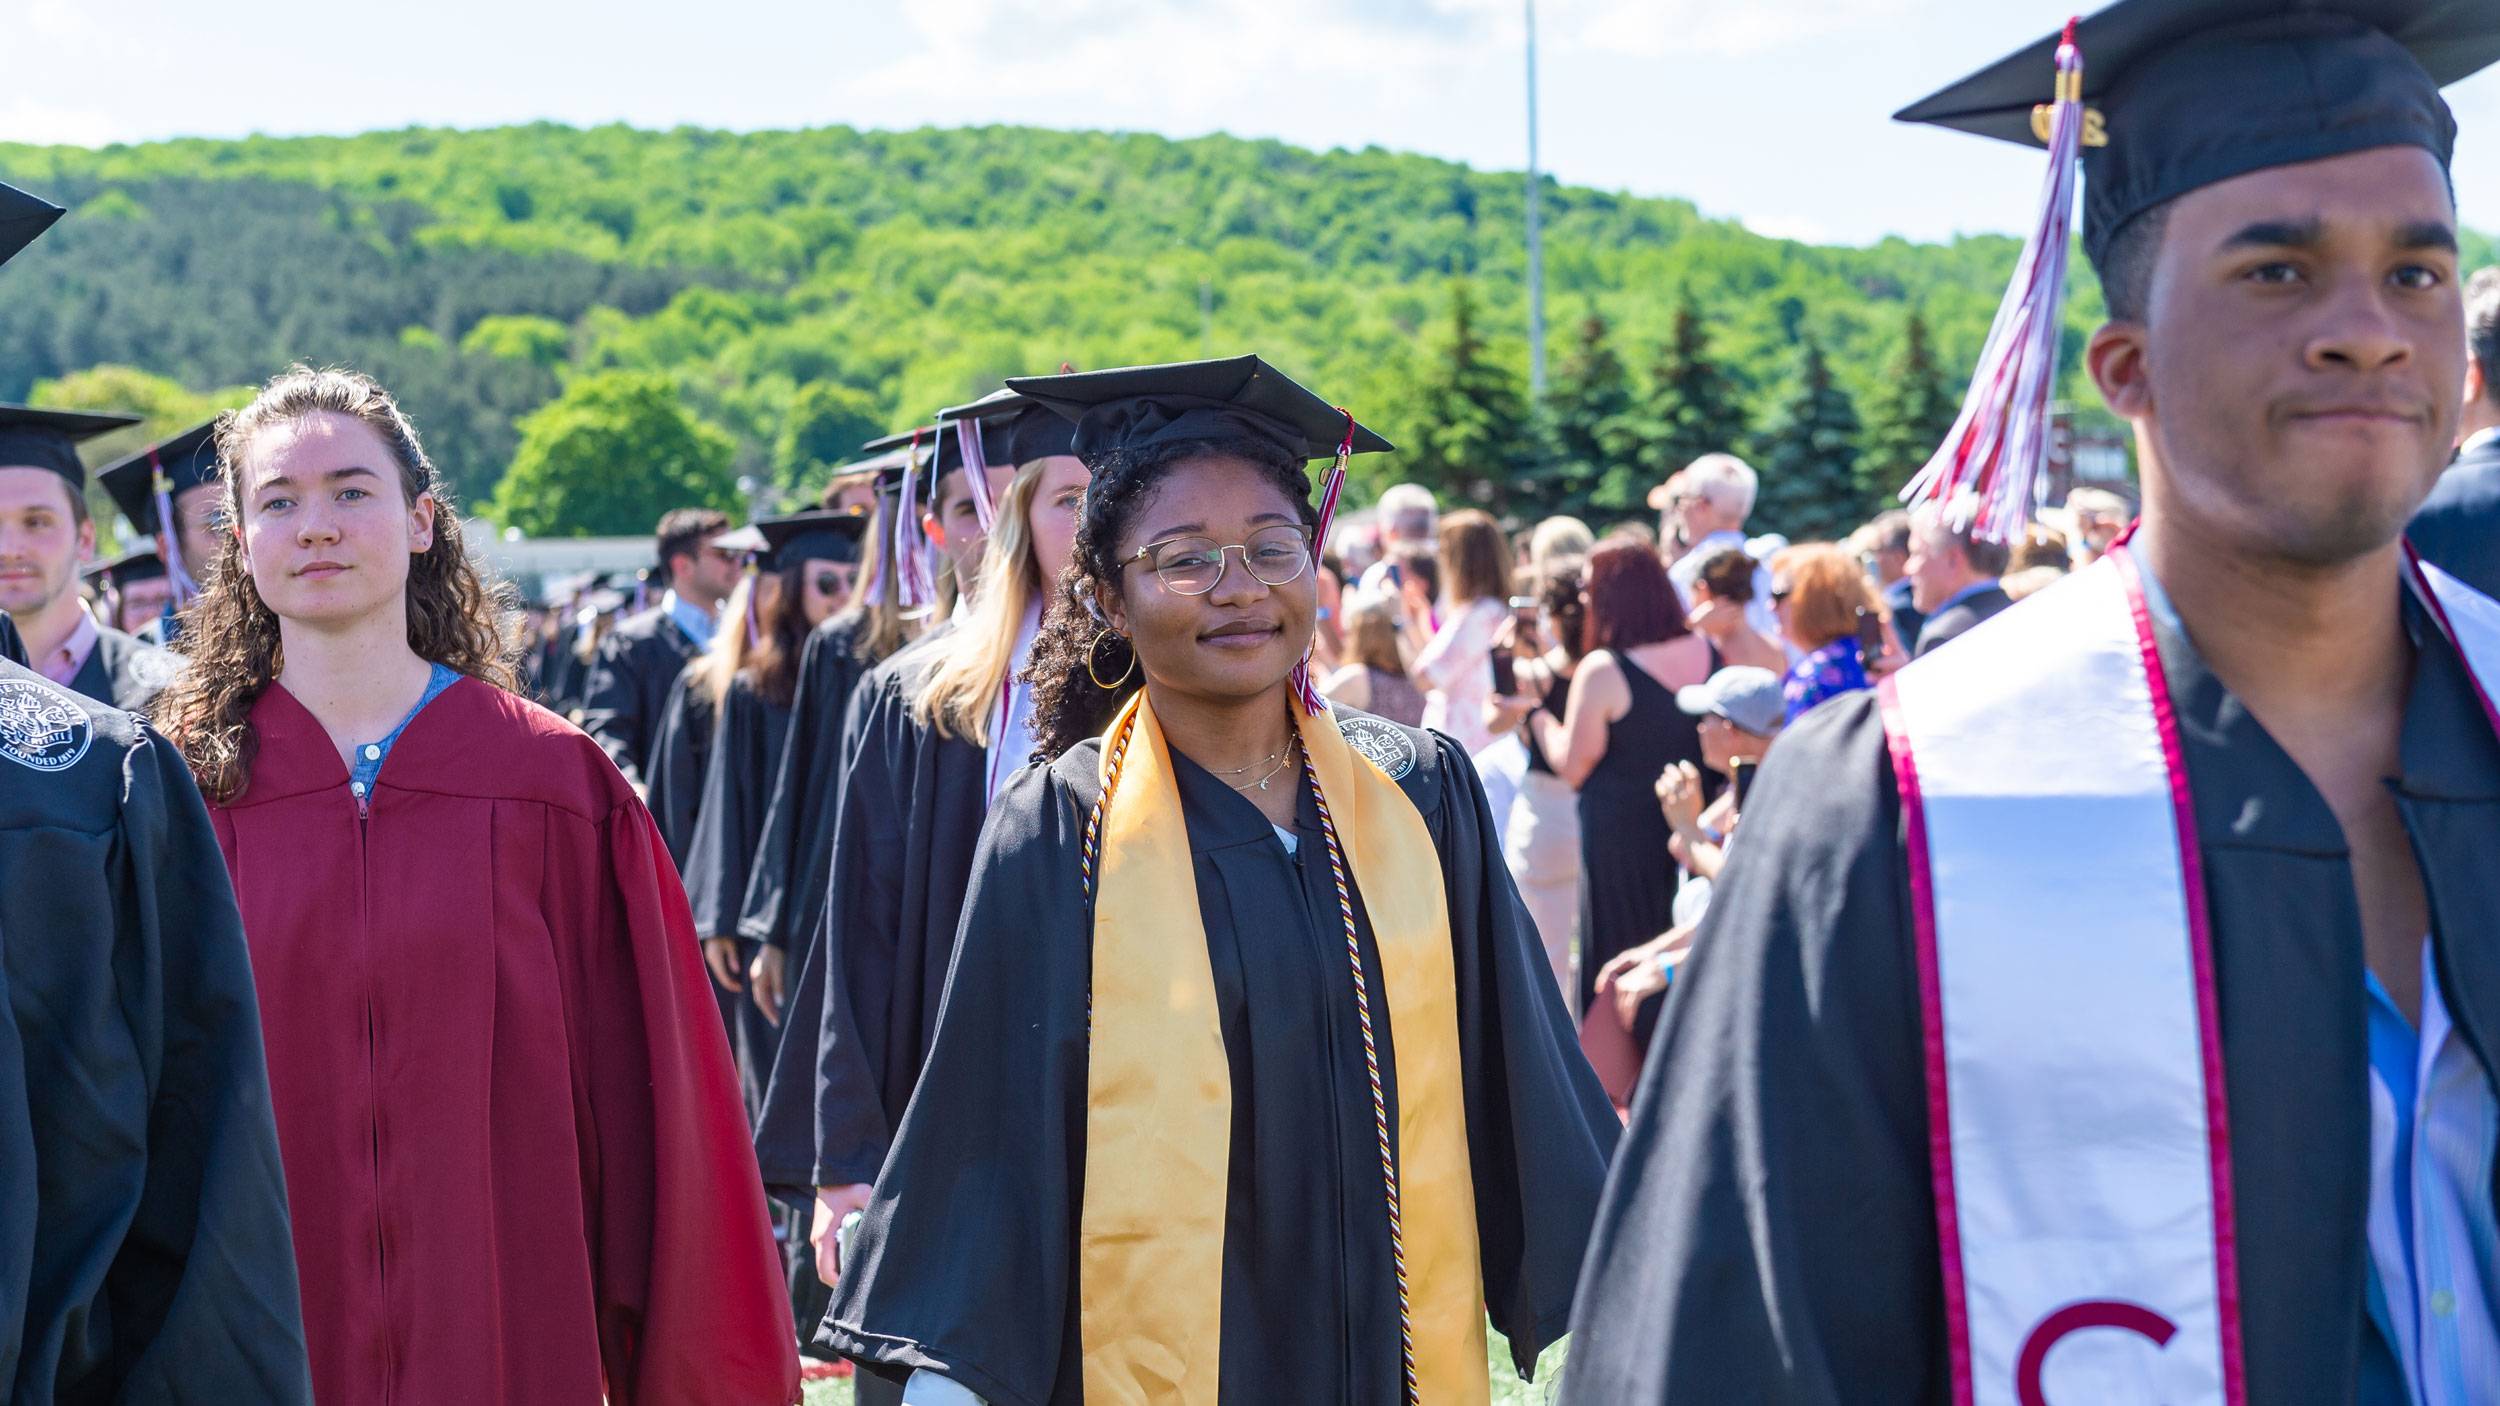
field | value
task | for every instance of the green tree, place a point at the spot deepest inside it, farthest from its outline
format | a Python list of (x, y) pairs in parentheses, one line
[(826, 424), (1595, 429), (609, 456), (1474, 439), (1694, 407), (1912, 414), (1808, 456), (540, 341)]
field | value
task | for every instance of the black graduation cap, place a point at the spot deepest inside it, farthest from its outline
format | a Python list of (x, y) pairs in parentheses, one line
[(1033, 430), (1134, 406), (939, 452), (811, 536), (22, 217), (2184, 94), (188, 460), (49, 439), (744, 541), (884, 470), (141, 565)]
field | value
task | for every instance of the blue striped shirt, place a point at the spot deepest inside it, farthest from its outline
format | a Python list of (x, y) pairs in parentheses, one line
[(2434, 1232)]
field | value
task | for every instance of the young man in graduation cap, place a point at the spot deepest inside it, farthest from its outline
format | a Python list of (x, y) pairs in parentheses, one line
[(45, 532), (168, 494), (132, 589), (146, 1217), (627, 692), (2107, 1010)]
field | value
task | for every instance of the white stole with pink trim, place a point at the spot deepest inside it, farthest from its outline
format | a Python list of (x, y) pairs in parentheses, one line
[(2079, 1132)]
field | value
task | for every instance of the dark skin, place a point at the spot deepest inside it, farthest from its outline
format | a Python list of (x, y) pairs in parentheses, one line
[(1216, 666), (2294, 389)]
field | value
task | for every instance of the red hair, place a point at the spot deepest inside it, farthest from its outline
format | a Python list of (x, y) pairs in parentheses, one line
[(1631, 601)]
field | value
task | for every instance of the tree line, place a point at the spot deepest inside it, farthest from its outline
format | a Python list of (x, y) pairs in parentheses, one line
[(585, 322)]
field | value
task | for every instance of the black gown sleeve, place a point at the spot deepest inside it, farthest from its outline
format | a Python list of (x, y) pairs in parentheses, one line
[(775, 907), (966, 1254), (861, 936), (1768, 1232), (722, 838), (681, 750), (206, 1271), (786, 1126), (613, 712), (1539, 1128)]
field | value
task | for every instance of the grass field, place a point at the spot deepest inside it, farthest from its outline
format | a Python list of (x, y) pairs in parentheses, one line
[(1508, 1390)]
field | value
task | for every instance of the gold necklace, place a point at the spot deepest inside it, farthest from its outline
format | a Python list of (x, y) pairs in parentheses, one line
[(1263, 761), (1291, 746)]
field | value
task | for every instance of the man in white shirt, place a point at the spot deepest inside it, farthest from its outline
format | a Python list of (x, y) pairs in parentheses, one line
[(1702, 508)]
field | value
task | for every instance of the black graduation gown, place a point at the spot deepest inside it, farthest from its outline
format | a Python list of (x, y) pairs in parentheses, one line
[(626, 693), (908, 821), (1769, 1234), (794, 849), (125, 672), (745, 752), (681, 750), (2459, 526), (144, 1243), (966, 1259)]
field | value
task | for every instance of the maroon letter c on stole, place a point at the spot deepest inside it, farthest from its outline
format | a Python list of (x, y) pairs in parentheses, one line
[(2074, 1318)]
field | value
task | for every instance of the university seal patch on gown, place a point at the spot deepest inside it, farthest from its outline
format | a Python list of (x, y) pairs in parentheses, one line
[(41, 728), (1384, 743)]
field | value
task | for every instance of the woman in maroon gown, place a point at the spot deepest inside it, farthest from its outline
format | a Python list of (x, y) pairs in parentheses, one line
[(515, 1158)]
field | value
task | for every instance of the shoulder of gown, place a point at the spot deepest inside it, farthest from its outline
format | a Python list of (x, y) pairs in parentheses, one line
[(1768, 1230)]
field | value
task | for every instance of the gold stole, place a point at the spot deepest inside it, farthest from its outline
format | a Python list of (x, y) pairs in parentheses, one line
[(1158, 1101)]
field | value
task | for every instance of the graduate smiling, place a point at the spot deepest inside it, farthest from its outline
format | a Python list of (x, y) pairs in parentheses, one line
[(1250, 1083)]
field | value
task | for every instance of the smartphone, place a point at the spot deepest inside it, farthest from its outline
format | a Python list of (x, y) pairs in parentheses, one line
[(1505, 673), (1525, 608), (1742, 774), (1870, 638)]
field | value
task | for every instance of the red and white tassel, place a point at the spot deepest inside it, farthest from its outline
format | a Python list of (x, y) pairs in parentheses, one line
[(1304, 690), (908, 541), (1983, 476)]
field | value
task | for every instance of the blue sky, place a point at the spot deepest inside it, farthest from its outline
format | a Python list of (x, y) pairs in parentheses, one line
[(1772, 111)]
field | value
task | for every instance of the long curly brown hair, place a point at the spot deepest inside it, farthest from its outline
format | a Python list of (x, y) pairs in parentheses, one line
[(456, 614)]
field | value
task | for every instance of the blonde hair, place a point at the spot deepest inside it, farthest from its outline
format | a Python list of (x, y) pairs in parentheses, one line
[(456, 612), (963, 691), (720, 662), (1371, 634)]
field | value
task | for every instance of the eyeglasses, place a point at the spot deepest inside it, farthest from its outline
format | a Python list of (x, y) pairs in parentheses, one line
[(1780, 593), (1193, 566), (830, 583)]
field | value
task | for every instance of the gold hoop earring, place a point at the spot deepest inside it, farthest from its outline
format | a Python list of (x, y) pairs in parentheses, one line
[(1094, 671)]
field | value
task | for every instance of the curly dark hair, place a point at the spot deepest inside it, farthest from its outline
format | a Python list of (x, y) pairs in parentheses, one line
[(1073, 645)]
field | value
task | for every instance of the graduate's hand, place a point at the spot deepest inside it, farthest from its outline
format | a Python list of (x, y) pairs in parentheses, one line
[(832, 1204), (764, 975), (721, 955)]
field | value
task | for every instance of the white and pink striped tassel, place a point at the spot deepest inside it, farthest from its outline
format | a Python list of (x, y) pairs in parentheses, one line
[(1304, 689), (1983, 476)]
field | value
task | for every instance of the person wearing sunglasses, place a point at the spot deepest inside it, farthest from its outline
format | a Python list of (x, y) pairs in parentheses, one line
[(639, 661), (1250, 1071)]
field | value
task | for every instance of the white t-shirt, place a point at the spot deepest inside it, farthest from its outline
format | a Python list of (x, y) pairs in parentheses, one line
[(1456, 669)]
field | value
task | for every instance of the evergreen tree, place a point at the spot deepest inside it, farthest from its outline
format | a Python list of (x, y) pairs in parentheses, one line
[(1911, 418), (1595, 431), (1694, 408), (1477, 441), (609, 456), (1808, 456)]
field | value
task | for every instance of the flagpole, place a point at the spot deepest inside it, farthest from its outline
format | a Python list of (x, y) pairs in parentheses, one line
[(1536, 235)]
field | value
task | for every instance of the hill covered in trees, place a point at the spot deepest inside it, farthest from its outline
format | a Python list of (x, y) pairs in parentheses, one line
[(523, 288)]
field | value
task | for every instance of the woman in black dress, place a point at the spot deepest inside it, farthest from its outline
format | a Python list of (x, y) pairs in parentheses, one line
[(1620, 728), (1249, 1084)]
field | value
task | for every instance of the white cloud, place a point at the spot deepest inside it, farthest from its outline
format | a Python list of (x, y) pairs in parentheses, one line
[(48, 124)]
